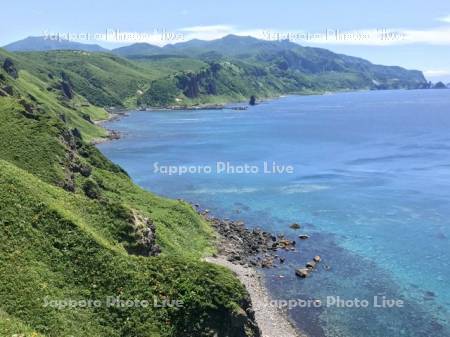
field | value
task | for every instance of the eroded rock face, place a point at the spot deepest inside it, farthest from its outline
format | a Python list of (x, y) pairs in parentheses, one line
[(10, 68)]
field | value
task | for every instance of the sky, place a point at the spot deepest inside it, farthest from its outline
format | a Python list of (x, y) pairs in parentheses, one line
[(411, 33)]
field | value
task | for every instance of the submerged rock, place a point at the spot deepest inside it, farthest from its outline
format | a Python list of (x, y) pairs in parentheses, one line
[(295, 226)]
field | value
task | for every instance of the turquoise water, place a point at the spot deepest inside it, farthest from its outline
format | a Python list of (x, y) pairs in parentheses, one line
[(371, 186)]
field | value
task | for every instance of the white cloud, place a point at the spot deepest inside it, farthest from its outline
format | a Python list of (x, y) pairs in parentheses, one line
[(437, 73), (217, 32), (444, 19), (434, 36), (206, 32), (208, 29), (367, 37)]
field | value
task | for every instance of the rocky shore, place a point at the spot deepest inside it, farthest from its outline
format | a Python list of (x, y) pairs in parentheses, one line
[(247, 247), (243, 251), (112, 134), (271, 321)]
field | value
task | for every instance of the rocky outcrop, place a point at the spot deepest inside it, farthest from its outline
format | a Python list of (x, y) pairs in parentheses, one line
[(91, 189), (72, 140), (66, 86), (8, 90), (10, 68), (202, 82), (87, 118), (142, 239), (439, 85), (84, 169), (240, 323), (29, 110)]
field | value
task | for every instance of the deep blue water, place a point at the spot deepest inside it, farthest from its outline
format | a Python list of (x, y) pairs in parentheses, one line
[(371, 187)]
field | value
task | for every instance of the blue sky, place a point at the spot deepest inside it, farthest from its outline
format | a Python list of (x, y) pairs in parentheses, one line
[(416, 32)]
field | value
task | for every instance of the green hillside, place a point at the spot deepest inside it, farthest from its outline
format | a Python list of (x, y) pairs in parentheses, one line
[(218, 71), (74, 226), (298, 69)]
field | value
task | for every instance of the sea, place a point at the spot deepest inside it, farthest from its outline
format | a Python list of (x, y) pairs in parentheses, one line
[(365, 174)]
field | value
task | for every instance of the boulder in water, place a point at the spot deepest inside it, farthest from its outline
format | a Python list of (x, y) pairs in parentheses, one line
[(302, 272), (311, 264)]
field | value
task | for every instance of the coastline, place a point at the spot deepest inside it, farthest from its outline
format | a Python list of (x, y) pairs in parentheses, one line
[(117, 113), (272, 321), (245, 251), (240, 259), (242, 272)]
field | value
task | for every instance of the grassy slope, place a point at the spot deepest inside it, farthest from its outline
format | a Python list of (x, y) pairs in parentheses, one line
[(49, 250), (67, 245), (33, 85)]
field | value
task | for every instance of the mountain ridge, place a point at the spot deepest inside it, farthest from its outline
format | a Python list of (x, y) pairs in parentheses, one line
[(42, 43), (186, 48)]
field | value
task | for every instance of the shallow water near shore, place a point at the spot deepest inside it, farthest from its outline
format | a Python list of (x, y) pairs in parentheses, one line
[(371, 186)]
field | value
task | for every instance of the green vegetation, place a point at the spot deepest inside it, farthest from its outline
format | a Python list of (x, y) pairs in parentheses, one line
[(197, 72), (74, 226)]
